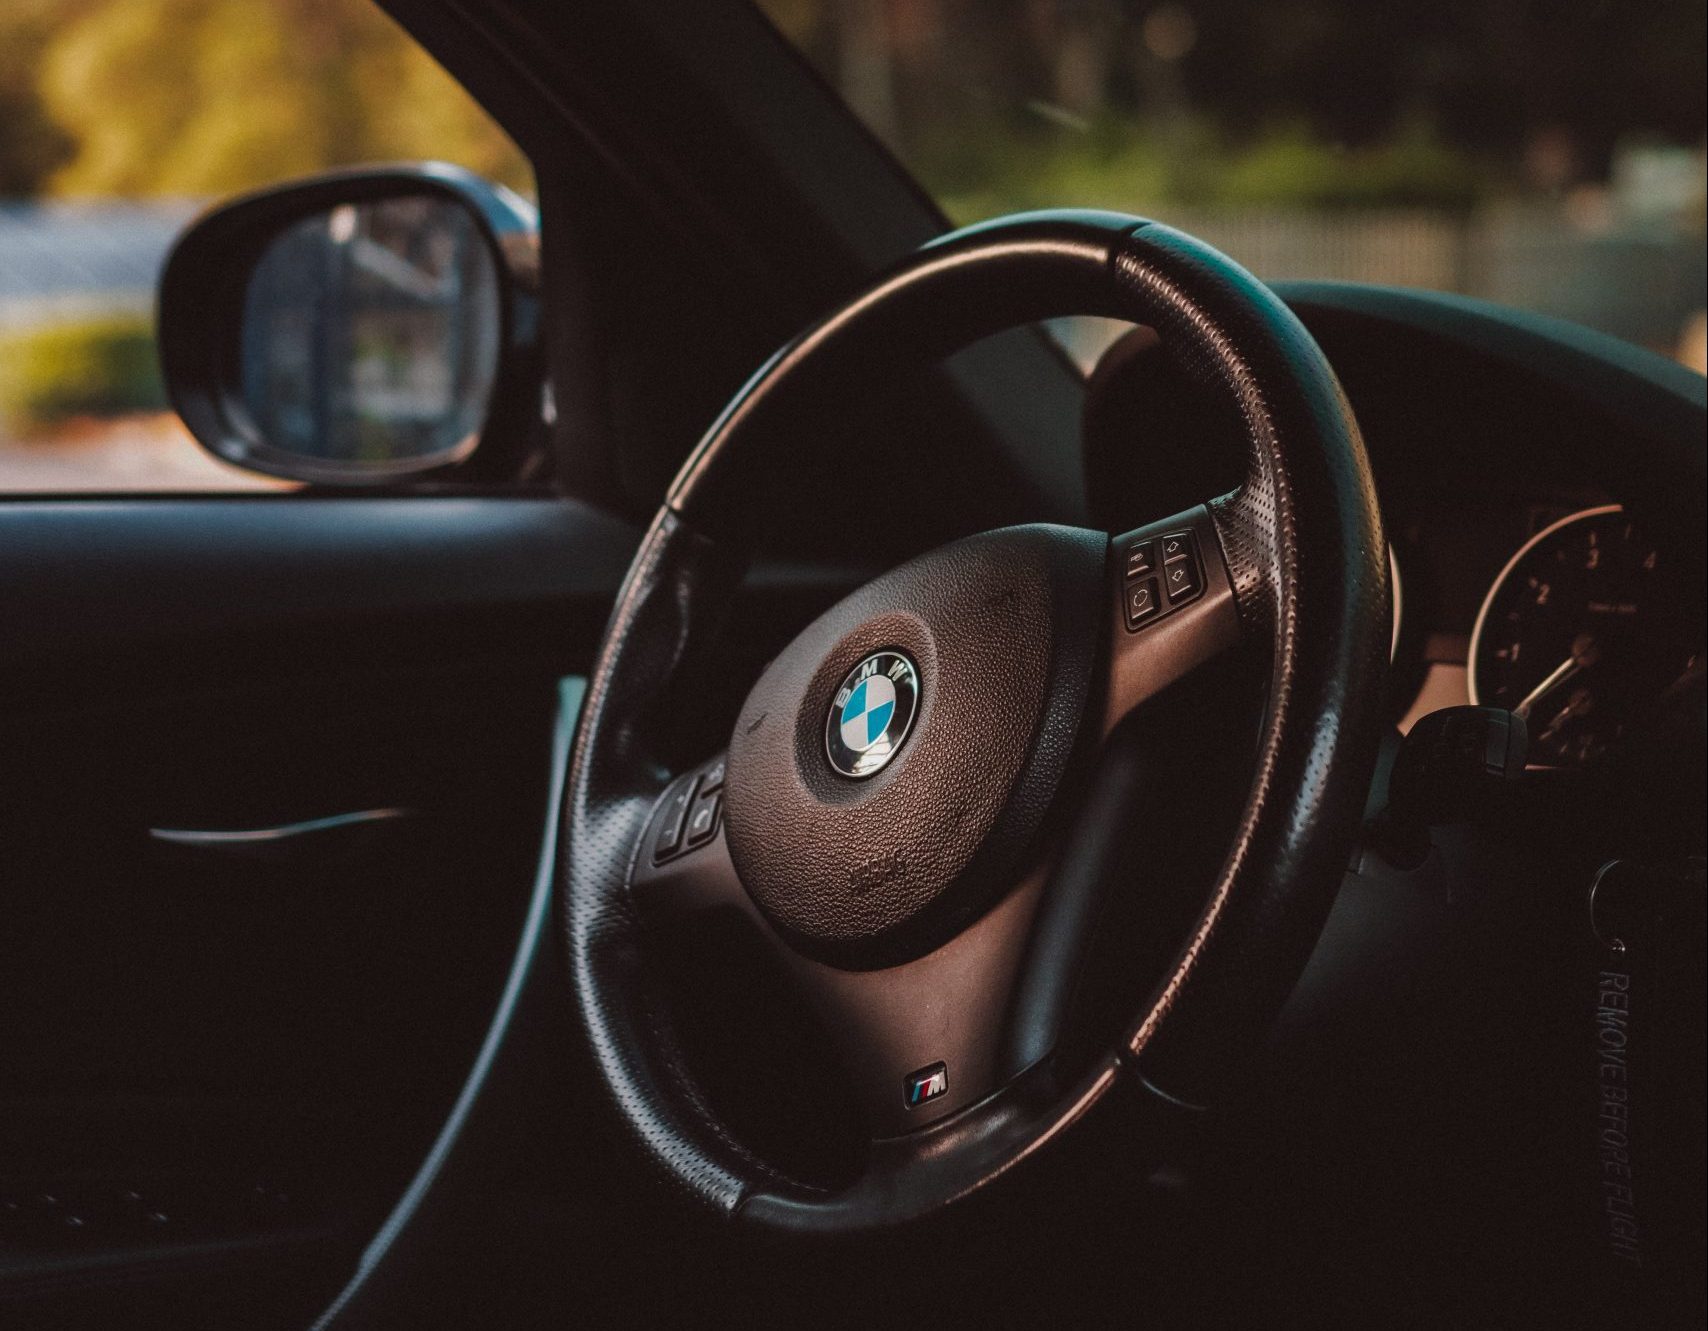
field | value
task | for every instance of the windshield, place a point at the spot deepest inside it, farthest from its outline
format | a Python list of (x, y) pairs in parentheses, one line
[(1544, 156)]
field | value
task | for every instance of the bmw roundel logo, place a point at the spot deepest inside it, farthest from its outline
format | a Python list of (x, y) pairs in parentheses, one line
[(871, 714)]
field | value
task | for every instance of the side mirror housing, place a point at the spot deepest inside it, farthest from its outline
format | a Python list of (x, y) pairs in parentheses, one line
[(358, 328)]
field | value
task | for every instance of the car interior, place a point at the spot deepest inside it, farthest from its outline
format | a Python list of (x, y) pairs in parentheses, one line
[(784, 795)]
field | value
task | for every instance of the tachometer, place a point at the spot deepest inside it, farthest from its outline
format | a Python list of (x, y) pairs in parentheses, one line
[(1581, 629)]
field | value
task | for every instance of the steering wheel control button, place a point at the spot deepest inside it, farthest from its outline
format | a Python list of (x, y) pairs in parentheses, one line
[(1142, 603), (712, 776), (1172, 574), (871, 714), (672, 815), (926, 1085), (1182, 579), (703, 821)]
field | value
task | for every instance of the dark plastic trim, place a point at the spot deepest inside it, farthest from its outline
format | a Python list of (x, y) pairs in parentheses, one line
[(99, 584), (528, 947)]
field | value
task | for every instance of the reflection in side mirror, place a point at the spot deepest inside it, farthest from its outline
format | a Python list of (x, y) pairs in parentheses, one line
[(370, 335), (360, 328)]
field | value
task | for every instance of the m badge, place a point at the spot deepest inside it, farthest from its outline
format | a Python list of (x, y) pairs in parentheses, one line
[(926, 1084)]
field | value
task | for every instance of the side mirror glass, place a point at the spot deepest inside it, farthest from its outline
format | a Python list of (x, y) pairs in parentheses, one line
[(370, 335), (357, 328)]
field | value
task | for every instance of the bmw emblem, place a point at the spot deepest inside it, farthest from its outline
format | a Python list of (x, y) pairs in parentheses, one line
[(871, 715)]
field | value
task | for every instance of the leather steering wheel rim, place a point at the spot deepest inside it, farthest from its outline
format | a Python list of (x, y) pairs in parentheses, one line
[(1303, 550)]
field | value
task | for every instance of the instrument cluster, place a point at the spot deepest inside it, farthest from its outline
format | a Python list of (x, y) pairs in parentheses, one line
[(1581, 634)]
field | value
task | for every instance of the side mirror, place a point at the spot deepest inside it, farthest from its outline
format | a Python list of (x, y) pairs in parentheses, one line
[(357, 328)]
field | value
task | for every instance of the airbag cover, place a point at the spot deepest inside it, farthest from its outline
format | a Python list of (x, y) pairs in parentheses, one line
[(1003, 629)]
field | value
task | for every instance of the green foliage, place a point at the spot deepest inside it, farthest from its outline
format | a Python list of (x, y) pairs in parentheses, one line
[(101, 367), (1491, 78), (1291, 167), (1184, 162)]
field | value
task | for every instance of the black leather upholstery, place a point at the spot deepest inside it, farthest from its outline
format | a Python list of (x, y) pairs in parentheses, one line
[(1304, 545), (609, 791), (1303, 541)]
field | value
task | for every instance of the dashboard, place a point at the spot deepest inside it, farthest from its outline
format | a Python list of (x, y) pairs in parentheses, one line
[(1541, 486), (1548, 559)]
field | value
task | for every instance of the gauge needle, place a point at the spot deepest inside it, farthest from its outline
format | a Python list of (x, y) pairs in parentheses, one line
[(1584, 655), (1580, 702)]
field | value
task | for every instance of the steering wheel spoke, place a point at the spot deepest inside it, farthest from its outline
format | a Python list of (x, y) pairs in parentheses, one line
[(918, 1040), (682, 865), (926, 1038)]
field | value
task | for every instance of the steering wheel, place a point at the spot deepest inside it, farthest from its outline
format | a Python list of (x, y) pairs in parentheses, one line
[(915, 793)]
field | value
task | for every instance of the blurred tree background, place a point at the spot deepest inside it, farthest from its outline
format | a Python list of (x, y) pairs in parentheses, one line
[(193, 98), (994, 103), (119, 117), (1546, 154), (1307, 103)]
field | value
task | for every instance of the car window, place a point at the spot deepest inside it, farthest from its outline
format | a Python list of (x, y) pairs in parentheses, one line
[(119, 121), (1544, 156)]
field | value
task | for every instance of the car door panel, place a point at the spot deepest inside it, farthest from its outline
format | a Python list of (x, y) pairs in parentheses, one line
[(237, 1049)]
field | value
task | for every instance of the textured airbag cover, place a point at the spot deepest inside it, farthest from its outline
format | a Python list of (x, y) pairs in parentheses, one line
[(1003, 627)]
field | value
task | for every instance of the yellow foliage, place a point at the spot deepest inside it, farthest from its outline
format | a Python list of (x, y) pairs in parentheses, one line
[(208, 97)]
